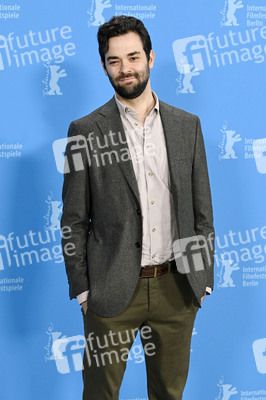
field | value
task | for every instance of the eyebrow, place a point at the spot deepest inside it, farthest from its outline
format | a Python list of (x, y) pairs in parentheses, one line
[(129, 54)]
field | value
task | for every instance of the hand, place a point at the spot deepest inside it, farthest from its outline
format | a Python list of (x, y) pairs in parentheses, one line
[(203, 297), (84, 306)]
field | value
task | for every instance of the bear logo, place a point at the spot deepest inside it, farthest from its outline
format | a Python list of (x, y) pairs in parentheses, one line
[(233, 5), (188, 73), (229, 139), (55, 75), (229, 268), (100, 6)]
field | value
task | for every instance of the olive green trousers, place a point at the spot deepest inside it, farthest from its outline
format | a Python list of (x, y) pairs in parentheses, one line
[(162, 310)]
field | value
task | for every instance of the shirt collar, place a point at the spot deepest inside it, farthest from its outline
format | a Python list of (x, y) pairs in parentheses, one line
[(123, 109)]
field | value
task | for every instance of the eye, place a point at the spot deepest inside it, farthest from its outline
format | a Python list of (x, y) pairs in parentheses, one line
[(134, 58)]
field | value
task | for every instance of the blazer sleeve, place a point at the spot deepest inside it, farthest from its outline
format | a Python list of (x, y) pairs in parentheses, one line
[(75, 221), (202, 203)]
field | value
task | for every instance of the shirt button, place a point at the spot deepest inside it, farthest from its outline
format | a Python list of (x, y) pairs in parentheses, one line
[(153, 256), (153, 229), (152, 202), (147, 147), (138, 212), (150, 173), (136, 123), (127, 109)]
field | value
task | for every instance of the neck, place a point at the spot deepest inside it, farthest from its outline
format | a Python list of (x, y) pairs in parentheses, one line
[(143, 104)]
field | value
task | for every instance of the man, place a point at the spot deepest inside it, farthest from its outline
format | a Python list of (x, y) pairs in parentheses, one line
[(137, 198)]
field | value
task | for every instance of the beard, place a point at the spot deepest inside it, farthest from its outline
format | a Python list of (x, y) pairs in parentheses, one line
[(131, 90)]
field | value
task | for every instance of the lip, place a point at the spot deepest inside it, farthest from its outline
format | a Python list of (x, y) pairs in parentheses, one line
[(127, 79)]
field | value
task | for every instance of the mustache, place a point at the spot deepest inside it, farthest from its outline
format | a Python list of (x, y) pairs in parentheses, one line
[(123, 76)]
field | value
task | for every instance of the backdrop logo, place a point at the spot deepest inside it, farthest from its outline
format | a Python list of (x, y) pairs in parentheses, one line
[(10, 11), (259, 149), (197, 53), (34, 247), (191, 51), (225, 274), (67, 352), (245, 250), (229, 12), (228, 141), (11, 284), (140, 11), (10, 150), (33, 47), (191, 56), (30, 248), (53, 336), (256, 15), (53, 74), (250, 149), (184, 79), (96, 10), (259, 350), (53, 213), (225, 390)]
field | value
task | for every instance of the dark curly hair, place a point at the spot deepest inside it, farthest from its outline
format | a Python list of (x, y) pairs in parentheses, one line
[(120, 25)]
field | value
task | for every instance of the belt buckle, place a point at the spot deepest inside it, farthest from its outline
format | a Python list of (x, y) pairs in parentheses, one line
[(155, 272)]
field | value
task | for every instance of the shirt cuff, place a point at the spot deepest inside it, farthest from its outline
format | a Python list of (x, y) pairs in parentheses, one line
[(82, 296), (208, 290)]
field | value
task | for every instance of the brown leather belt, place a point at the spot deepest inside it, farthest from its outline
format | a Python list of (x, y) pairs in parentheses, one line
[(151, 271)]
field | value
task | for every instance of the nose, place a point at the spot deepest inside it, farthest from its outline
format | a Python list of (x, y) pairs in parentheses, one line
[(125, 67)]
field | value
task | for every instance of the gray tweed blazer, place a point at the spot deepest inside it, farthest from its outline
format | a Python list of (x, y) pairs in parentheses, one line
[(102, 206)]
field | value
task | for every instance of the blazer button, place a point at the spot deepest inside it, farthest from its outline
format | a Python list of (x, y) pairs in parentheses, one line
[(138, 212), (137, 244)]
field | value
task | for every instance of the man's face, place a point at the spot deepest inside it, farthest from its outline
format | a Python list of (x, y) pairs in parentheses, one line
[(126, 65)]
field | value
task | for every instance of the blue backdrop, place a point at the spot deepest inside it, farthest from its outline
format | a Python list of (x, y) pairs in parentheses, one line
[(210, 60)]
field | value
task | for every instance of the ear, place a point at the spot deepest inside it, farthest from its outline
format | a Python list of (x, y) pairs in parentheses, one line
[(152, 57), (104, 68)]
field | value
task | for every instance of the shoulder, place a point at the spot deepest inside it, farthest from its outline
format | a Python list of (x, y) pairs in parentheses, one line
[(178, 113), (89, 119)]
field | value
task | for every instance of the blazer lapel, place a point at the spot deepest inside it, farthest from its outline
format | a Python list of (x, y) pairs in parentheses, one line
[(110, 120), (173, 141)]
